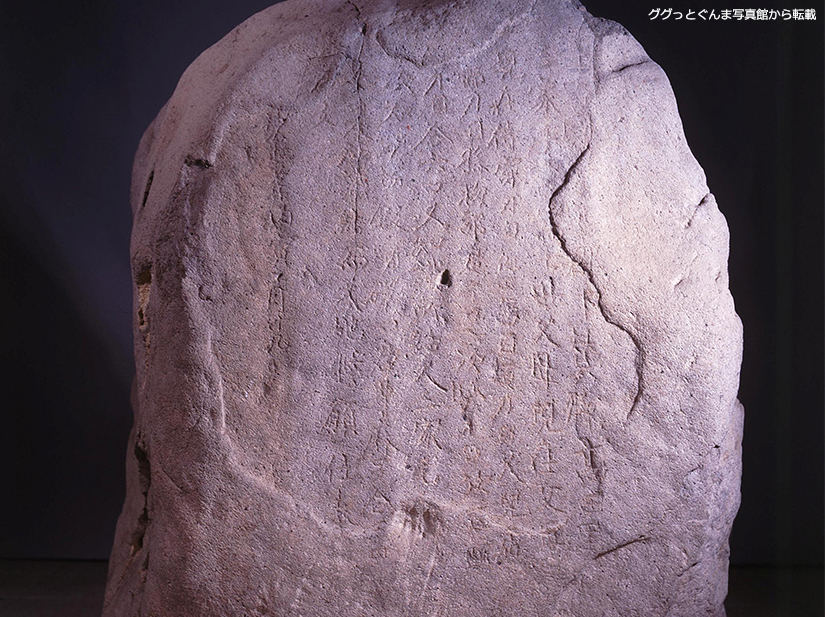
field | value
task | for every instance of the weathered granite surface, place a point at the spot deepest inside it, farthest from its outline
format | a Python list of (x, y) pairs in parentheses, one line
[(431, 318)]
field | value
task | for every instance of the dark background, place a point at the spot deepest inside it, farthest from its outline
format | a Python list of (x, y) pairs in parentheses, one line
[(80, 81)]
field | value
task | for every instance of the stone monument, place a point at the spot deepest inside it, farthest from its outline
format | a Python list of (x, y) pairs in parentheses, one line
[(431, 317)]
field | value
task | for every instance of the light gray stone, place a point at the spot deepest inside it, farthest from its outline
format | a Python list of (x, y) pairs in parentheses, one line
[(431, 318)]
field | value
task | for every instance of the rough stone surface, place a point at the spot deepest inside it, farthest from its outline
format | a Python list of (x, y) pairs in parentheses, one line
[(431, 318)]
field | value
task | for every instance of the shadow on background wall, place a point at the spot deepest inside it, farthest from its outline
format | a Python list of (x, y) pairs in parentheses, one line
[(80, 83)]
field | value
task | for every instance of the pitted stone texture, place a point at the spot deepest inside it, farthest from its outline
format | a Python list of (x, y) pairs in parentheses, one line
[(431, 318)]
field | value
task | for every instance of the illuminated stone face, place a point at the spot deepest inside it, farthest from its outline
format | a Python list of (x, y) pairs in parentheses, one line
[(431, 318)]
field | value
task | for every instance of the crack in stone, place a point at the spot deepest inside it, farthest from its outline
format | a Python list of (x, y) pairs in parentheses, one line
[(640, 360), (170, 478), (497, 34), (621, 546), (141, 454), (630, 66), (395, 55), (469, 55), (355, 6), (587, 564), (701, 203), (147, 189)]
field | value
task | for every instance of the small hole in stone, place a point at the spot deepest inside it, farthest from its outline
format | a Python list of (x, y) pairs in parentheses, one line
[(191, 161), (143, 281), (144, 275), (446, 278)]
